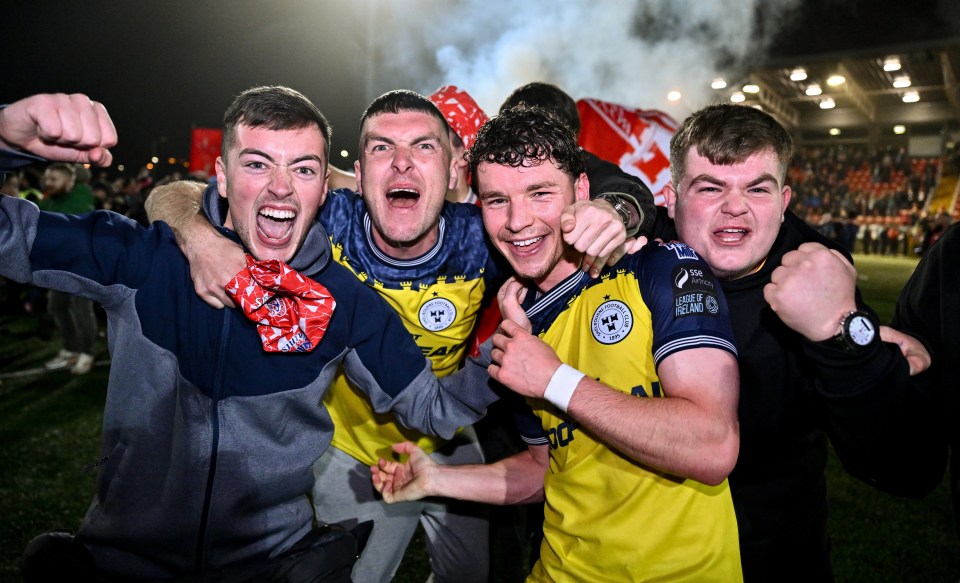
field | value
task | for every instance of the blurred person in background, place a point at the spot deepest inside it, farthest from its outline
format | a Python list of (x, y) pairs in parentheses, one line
[(73, 315)]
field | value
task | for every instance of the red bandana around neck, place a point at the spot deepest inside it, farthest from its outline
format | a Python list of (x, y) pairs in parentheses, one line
[(291, 310)]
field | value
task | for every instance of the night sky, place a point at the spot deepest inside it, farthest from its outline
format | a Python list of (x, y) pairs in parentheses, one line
[(163, 67)]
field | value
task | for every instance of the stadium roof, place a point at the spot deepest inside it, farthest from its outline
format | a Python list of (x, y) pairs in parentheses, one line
[(867, 103)]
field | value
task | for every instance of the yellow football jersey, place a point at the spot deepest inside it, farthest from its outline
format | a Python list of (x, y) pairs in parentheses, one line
[(606, 516), (438, 296)]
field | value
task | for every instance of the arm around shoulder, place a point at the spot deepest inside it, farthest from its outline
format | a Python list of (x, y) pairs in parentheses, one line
[(214, 259), (176, 203)]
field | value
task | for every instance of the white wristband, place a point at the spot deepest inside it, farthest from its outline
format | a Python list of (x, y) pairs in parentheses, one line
[(562, 384)]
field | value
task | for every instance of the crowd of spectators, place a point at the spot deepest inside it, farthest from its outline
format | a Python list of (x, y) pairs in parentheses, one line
[(122, 194), (872, 202)]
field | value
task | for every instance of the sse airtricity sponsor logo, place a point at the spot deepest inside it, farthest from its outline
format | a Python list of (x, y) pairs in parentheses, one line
[(612, 321), (437, 314), (694, 292)]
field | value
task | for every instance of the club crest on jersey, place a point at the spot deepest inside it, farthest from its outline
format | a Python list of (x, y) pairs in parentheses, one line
[(612, 321), (277, 307), (437, 314)]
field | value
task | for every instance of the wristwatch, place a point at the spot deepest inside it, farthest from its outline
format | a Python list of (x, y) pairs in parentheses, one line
[(618, 205), (859, 330)]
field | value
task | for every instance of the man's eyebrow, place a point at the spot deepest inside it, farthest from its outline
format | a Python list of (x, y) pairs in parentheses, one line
[(489, 194), (542, 185), (417, 140), (546, 185), (765, 177), (297, 160), (377, 138), (707, 178), (255, 152), (426, 138)]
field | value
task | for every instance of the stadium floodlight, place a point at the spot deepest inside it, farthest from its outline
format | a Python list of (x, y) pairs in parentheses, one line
[(911, 97), (738, 97), (836, 79), (719, 83), (827, 103), (751, 88), (891, 64), (814, 89), (798, 74), (901, 81)]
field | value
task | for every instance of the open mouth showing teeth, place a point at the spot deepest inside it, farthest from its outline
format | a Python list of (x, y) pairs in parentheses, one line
[(275, 223), (403, 193), (278, 215), (731, 234), (527, 242)]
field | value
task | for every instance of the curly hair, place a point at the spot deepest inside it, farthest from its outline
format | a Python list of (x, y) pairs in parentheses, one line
[(526, 136)]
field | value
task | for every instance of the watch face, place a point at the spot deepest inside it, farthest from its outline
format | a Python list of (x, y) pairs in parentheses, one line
[(861, 330)]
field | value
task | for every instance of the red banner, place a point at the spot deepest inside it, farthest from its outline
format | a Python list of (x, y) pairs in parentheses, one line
[(204, 149), (637, 140)]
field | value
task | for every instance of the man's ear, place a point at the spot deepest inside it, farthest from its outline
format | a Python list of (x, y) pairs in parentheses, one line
[(786, 193), (455, 165), (582, 187), (357, 174), (221, 167), (670, 195), (326, 188)]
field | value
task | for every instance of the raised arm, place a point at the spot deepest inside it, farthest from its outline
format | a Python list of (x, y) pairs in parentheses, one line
[(214, 259), (517, 479), (70, 128), (874, 411)]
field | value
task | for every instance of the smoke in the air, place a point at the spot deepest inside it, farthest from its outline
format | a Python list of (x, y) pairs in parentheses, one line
[(631, 52)]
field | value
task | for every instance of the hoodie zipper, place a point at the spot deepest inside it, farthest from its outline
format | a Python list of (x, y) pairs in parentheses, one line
[(214, 441)]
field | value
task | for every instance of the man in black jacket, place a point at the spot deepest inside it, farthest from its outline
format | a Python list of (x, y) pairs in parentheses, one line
[(812, 363), (929, 308)]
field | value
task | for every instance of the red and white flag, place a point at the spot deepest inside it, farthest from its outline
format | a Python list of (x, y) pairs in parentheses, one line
[(637, 140)]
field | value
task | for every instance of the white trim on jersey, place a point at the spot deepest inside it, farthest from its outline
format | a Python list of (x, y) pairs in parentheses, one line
[(368, 232)]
